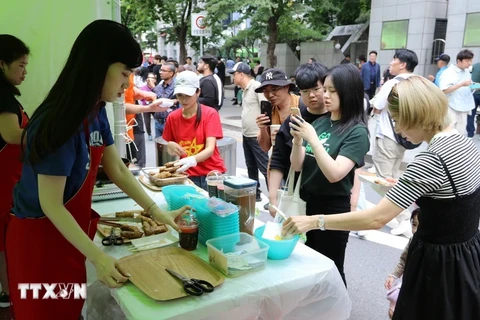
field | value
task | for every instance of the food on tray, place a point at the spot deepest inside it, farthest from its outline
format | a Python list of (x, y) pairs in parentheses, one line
[(133, 230), (383, 183), (170, 164), (161, 228), (172, 169), (124, 214), (163, 175), (130, 228), (131, 234), (167, 171), (145, 214)]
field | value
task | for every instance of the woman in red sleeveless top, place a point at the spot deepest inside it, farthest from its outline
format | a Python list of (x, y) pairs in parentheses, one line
[(13, 61)]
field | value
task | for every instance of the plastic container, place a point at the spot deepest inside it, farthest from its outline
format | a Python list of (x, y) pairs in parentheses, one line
[(214, 178), (279, 249), (243, 193), (175, 195), (237, 254)]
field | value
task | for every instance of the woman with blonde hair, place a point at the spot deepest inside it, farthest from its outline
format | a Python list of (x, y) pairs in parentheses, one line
[(442, 274)]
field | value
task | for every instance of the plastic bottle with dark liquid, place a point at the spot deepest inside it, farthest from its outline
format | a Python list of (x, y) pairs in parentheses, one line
[(242, 192)]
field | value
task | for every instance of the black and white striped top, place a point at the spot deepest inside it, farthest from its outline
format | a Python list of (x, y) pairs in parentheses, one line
[(426, 176)]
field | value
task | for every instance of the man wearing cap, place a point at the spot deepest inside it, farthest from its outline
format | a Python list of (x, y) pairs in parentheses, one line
[(455, 83), (276, 88), (256, 159), (442, 63)]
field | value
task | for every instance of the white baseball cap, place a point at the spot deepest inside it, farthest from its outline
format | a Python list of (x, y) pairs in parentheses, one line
[(187, 82)]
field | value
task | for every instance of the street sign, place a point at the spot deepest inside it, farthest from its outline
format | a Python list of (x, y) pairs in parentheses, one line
[(199, 28)]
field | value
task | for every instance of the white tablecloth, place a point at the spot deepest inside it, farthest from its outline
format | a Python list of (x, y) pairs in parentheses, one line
[(305, 286)]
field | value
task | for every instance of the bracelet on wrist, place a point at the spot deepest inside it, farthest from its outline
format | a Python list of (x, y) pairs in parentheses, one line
[(152, 206), (393, 276)]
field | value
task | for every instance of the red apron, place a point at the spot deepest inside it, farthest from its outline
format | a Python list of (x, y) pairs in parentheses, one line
[(38, 253), (11, 166)]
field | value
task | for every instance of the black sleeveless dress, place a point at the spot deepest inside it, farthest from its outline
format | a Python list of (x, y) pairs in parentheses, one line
[(441, 280)]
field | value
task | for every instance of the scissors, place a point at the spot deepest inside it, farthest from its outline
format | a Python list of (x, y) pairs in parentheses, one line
[(112, 239), (194, 287)]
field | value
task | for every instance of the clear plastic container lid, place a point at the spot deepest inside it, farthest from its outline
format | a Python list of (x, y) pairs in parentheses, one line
[(239, 183)]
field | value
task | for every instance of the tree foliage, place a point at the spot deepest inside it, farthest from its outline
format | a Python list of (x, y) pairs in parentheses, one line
[(139, 22), (271, 21)]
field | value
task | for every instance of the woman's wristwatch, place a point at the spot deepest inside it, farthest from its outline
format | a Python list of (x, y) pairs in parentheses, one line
[(321, 222)]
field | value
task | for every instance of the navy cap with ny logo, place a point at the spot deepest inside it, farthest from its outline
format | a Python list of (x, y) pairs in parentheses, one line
[(274, 77)]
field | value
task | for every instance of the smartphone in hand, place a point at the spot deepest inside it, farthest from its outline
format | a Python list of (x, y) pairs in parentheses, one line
[(295, 112), (266, 109)]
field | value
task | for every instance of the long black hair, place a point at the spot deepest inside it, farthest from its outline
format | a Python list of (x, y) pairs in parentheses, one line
[(144, 74), (76, 94), (349, 86), (11, 49)]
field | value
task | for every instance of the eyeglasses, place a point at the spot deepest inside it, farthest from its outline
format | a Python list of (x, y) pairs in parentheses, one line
[(161, 70), (273, 90), (307, 92)]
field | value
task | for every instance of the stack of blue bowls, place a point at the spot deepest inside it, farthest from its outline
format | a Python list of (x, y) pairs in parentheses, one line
[(178, 196), (213, 226)]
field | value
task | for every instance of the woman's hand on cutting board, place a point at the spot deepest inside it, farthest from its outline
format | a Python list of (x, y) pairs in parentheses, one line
[(109, 272)]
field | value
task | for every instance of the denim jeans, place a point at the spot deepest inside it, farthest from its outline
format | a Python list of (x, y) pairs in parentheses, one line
[(471, 117), (256, 159), (159, 126), (200, 181), (147, 117)]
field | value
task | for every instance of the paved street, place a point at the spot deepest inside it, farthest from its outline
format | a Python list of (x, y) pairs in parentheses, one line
[(368, 261)]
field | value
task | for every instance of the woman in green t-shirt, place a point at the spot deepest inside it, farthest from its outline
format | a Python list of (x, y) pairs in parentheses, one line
[(328, 151)]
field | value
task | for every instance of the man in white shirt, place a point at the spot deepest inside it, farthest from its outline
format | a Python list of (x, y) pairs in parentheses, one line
[(256, 159), (455, 83), (388, 154)]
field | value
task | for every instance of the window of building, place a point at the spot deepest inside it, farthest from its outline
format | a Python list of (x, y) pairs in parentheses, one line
[(394, 34), (472, 25)]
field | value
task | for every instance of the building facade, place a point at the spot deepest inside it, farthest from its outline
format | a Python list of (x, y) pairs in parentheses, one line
[(427, 27)]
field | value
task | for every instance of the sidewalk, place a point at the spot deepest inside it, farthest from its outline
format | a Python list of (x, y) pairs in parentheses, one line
[(231, 117)]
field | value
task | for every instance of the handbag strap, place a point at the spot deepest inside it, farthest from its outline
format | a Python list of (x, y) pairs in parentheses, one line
[(297, 186), (292, 188), (290, 181)]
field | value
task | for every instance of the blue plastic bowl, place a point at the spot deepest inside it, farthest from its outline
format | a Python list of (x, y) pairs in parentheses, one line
[(279, 249)]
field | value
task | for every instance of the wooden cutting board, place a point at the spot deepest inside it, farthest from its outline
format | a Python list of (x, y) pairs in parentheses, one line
[(147, 270)]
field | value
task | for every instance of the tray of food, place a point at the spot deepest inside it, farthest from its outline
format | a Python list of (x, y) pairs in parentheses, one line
[(133, 224), (165, 175)]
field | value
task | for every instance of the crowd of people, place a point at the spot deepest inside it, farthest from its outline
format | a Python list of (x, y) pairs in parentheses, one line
[(315, 126)]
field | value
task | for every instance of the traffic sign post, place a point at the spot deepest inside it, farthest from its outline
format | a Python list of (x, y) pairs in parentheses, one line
[(199, 28)]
